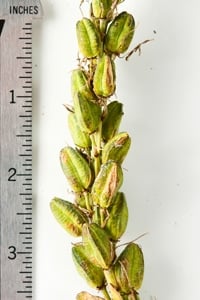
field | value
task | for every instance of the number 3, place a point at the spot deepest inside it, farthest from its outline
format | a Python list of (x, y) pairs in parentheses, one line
[(12, 252)]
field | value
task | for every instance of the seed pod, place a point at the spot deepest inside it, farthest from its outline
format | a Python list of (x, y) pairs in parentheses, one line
[(129, 268), (68, 215), (99, 248), (120, 33), (80, 83), (87, 296), (107, 184), (112, 120), (118, 217), (117, 148), (87, 113), (80, 138), (101, 8), (104, 77), (76, 169), (89, 40), (90, 272)]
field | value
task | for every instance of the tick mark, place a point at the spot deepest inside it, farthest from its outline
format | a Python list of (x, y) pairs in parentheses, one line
[(2, 22)]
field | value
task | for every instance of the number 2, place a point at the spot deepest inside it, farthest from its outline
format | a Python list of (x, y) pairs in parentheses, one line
[(13, 173)]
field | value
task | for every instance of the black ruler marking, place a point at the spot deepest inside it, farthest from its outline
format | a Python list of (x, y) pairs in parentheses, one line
[(2, 22)]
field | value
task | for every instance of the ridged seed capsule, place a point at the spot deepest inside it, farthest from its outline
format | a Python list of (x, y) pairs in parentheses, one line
[(107, 184), (116, 148), (87, 113), (89, 271), (101, 8), (112, 120), (68, 215), (80, 83), (89, 40), (99, 248), (104, 81), (76, 169), (118, 217), (129, 268), (120, 33), (80, 138)]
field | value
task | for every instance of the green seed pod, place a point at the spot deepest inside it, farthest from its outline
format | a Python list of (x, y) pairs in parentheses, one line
[(80, 138), (76, 169), (87, 296), (89, 40), (68, 215), (117, 148), (118, 217), (120, 33), (87, 113), (129, 268), (99, 248), (80, 83), (107, 184), (89, 271), (104, 77), (101, 8), (112, 120)]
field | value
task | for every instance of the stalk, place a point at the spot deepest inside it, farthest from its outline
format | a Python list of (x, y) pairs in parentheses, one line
[(93, 166)]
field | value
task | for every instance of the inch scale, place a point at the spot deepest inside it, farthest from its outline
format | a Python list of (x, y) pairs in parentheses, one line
[(16, 203)]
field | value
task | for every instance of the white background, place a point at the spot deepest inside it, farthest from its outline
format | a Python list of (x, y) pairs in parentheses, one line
[(161, 94)]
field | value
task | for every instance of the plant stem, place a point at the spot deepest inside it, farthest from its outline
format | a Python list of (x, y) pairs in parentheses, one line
[(96, 148)]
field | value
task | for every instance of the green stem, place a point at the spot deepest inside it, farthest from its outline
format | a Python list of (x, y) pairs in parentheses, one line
[(96, 149)]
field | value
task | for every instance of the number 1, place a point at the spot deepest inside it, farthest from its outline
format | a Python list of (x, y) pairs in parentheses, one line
[(12, 96)]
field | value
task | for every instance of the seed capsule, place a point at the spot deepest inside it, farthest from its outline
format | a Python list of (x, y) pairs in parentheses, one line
[(107, 184), (99, 248), (129, 268), (80, 138), (120, 33), (76, 169), (117, 148), (101, 8), (87, 113), (68, 215), (112, 120), (118, 217), (87, 296), (89, 271), (80, 83), (104, 77), (89, 40)]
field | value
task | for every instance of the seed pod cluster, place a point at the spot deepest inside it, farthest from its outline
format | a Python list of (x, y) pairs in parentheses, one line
[(93, 166)]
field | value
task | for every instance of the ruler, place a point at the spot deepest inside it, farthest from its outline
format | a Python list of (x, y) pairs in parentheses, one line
[(16, 202)]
